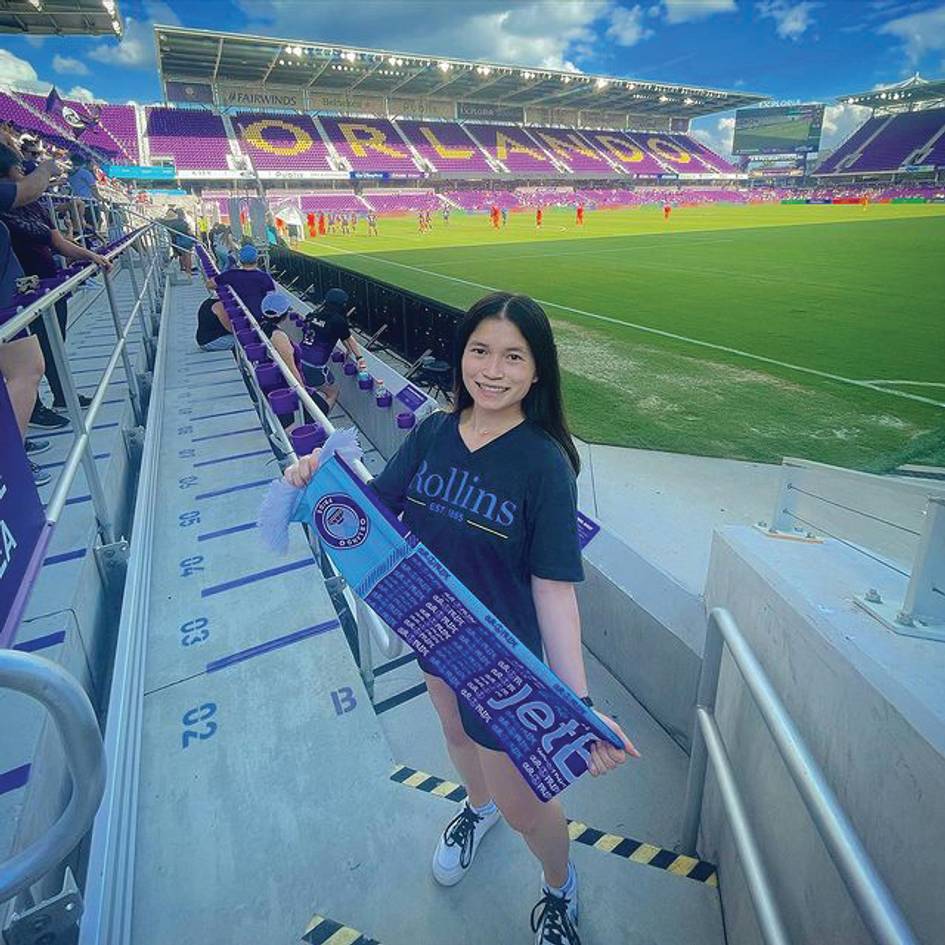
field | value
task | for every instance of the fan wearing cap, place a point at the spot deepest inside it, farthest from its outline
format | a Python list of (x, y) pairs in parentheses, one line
[(324, 327), (249, 282), (275, 307)]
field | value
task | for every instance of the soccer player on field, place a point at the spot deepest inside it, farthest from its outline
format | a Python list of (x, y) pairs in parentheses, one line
[(538, 219), (494, 216), (321, 223), (667, 210), (505, 215), (372, 223), (580, 215)]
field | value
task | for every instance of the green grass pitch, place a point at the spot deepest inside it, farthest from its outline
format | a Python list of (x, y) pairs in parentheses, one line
[(750, 332)]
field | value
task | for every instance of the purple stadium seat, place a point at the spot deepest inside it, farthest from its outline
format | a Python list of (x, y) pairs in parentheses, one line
[(331, 202), (851, 145), (370, 144), (568, 145), (900, 138), (445, 145), (195, 138), (405, 201), (631, 157), (513, 148), (282, 142)]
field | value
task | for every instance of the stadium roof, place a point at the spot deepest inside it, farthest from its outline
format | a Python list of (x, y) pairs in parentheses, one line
[(912, 91), (63, 17), (204, 55)]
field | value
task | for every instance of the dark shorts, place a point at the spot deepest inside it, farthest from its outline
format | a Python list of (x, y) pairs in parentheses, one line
[(473, 726), (317, 376)]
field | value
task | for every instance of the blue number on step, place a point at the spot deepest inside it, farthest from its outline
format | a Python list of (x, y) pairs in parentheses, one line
[(193, 717), (188, 518), (190, 566), (185, 410), (185, 429), (185, 454), (185, 482), (194, 631)]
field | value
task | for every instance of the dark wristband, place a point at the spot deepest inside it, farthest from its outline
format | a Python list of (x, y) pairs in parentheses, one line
[(588, 701)]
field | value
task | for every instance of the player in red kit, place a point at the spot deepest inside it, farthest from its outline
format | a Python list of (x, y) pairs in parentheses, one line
[(321, 224), (494, 214), (538, 219), (667, 210), (580, 215)]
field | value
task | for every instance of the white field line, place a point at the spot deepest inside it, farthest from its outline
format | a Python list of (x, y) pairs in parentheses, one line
[(655, 331), (910, 383)]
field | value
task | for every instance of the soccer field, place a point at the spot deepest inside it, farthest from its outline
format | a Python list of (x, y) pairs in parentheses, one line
[(749, 332)]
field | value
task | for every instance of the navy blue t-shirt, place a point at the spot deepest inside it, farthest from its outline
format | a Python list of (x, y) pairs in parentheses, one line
[(495, 516)]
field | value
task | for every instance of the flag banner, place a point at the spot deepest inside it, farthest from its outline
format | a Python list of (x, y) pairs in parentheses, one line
[(542, 725), (53, 101)]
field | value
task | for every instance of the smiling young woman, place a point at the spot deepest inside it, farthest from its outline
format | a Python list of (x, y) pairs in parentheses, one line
[(490, 488)]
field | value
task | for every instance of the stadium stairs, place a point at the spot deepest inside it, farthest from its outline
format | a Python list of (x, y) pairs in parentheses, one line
[(305, 799)]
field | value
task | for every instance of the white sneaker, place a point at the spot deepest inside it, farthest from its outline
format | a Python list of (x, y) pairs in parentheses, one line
[(457, 845), (557, 917)]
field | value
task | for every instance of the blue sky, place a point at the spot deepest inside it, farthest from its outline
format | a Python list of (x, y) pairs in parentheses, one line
[(807, 50)]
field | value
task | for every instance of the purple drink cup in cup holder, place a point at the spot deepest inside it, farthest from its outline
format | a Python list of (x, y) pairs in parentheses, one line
[(283, 401), (406, 420), (350, 369), (307, 438), (384, 399), (269, 377), (258, 354)]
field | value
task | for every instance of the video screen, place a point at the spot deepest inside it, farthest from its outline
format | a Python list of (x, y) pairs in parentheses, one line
[(789, 129)]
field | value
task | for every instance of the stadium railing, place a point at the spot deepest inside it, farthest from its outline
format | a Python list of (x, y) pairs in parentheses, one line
[(60, 694), (409, 324), (896, 521), (870, 894)]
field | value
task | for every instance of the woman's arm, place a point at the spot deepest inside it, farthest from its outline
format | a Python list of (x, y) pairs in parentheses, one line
[(70, 250), (560, 625), (282, 344)]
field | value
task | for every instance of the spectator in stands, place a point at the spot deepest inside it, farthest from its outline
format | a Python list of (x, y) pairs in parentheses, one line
[(82, 184), (324, 327), (182, 239), (21, 358), (36, 241), (224, 247), (248, 282), (31, 149), (507, 433)]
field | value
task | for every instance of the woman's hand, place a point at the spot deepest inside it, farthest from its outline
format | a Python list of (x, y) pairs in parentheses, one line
[(101, 261), (604, 756), (299, 474)]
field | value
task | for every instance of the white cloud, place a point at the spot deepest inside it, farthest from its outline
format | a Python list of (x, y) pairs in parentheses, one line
[(544, 33), (67, 66), (718, 138), (680, 11), (79, 93), (626, 26), (135, 49), (19, 72), (791, 19), (920, 33), (840, 121)]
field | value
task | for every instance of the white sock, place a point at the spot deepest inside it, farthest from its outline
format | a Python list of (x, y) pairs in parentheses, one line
[(568, 888), (487, 810)]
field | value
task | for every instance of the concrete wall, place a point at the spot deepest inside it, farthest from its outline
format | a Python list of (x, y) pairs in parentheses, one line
[(645, 628), (870, 705)]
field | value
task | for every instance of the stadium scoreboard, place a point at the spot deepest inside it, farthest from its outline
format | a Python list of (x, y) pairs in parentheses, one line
[(785, 129)]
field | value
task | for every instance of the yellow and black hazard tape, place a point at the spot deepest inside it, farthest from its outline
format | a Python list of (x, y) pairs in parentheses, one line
[(635, 850), (322, 931)]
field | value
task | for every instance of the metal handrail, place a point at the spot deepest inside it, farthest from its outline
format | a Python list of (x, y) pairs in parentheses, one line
[(82, 422), (869, 892), (74, 717), (390, 644)]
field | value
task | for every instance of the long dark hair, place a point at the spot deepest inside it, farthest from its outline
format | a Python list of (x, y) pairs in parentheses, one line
[(542, 403)]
